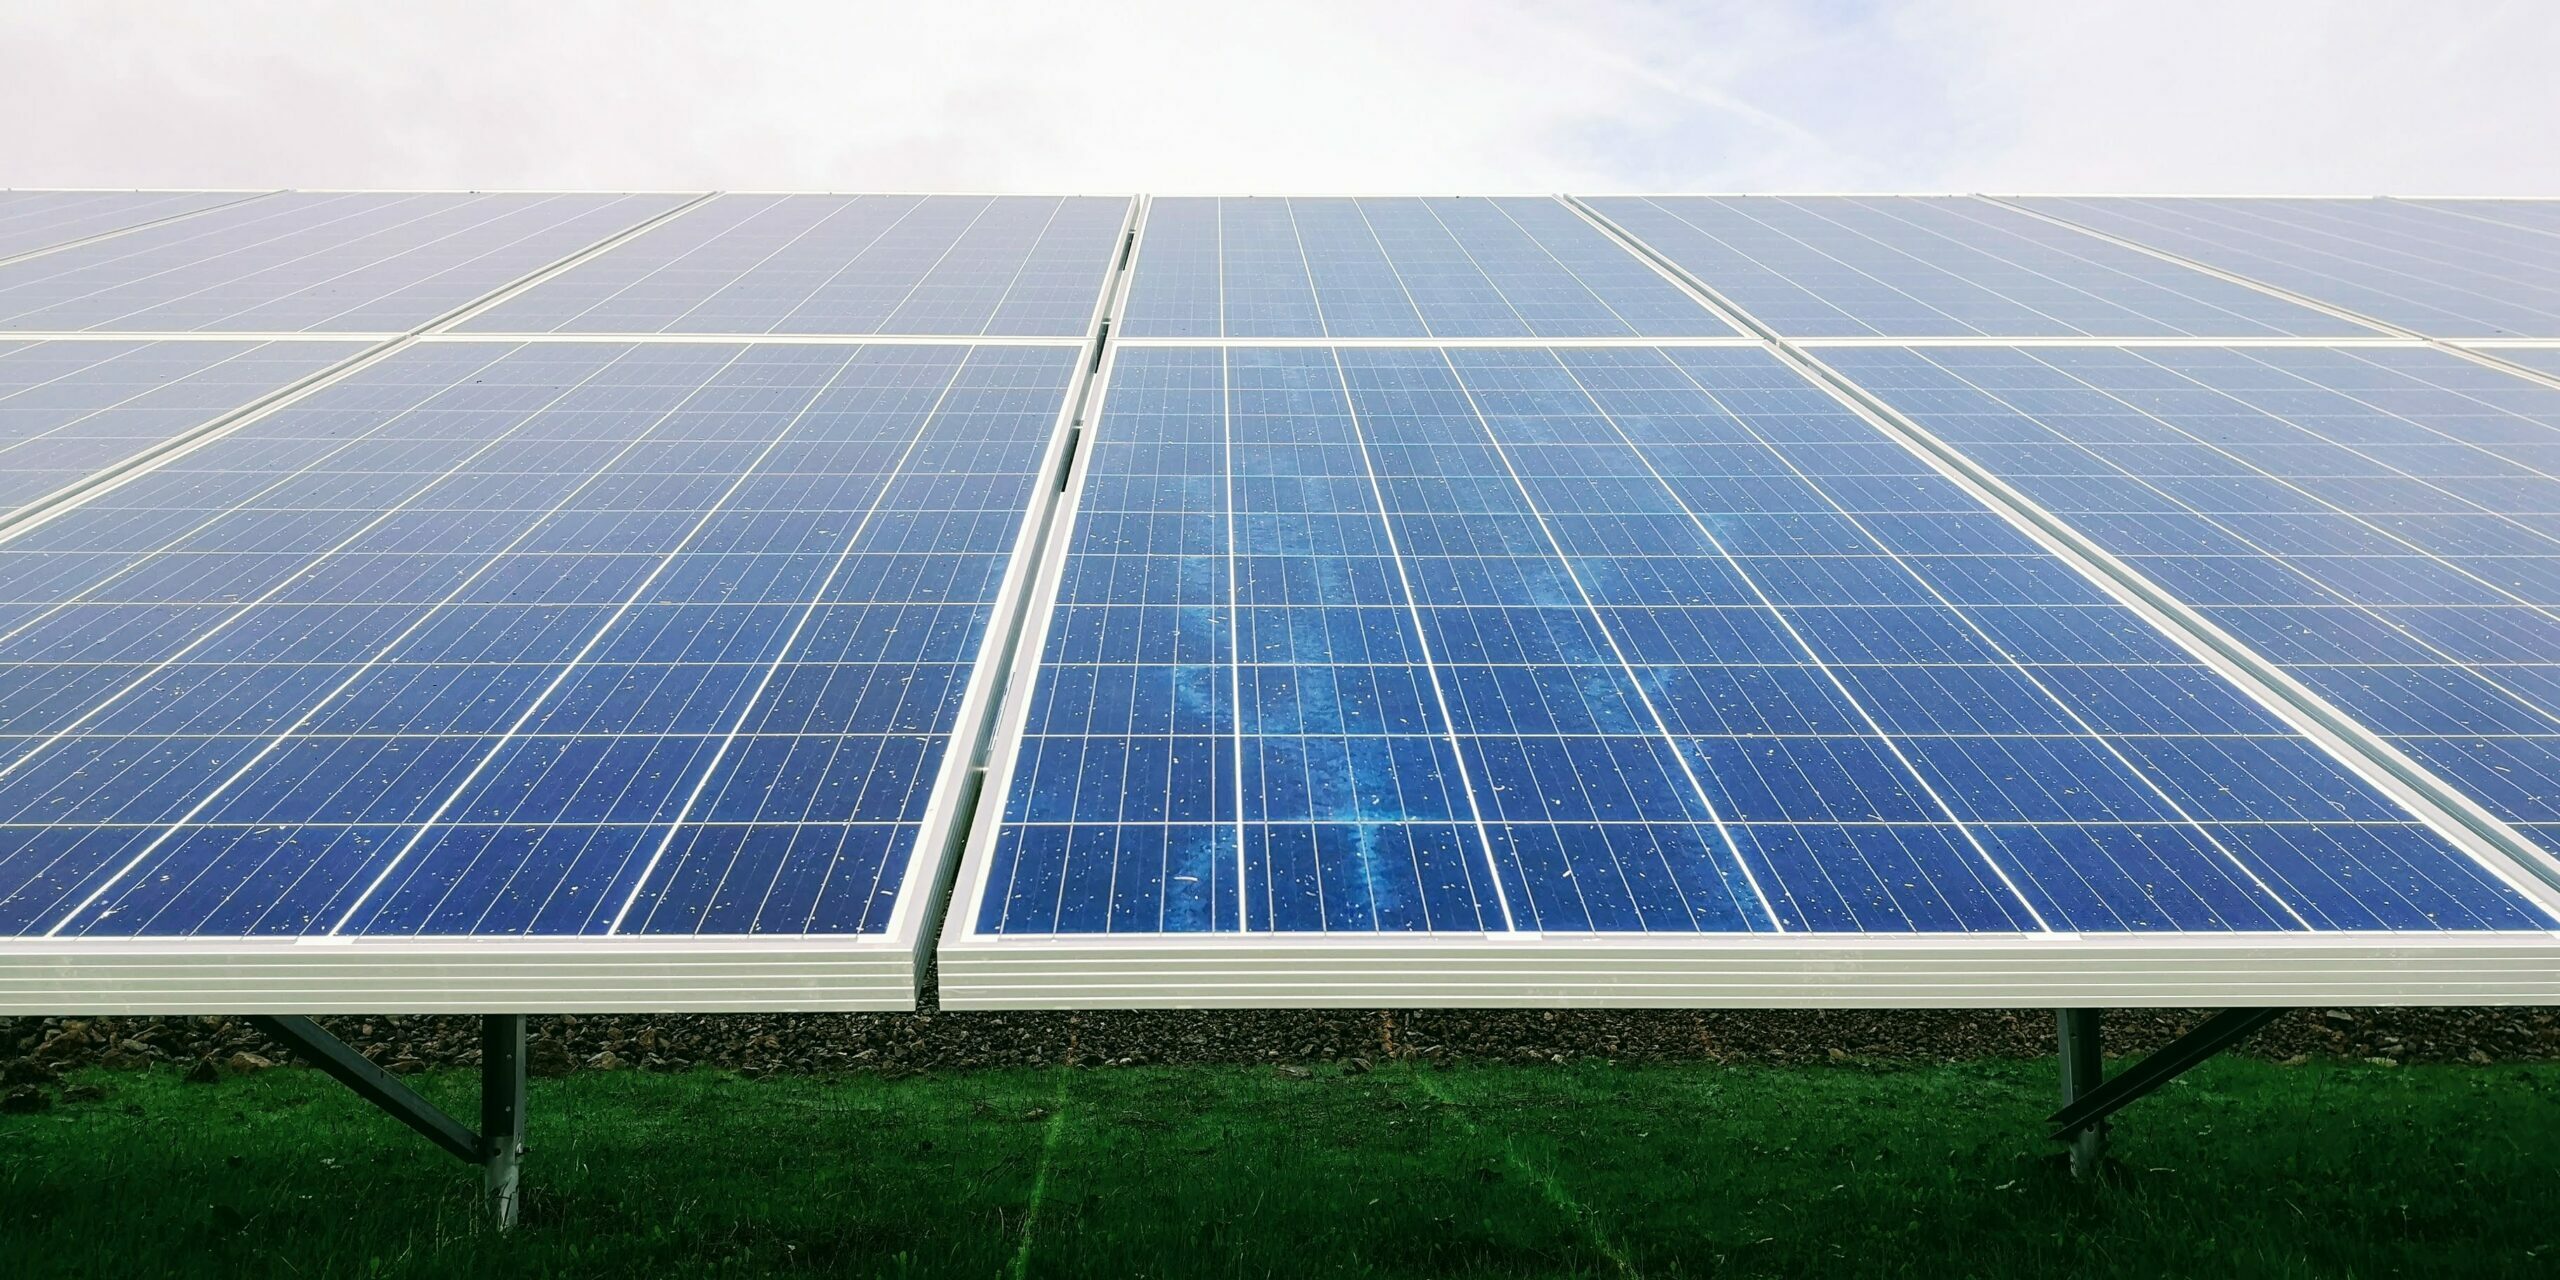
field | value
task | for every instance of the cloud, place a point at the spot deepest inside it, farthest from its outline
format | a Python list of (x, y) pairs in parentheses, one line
[(2264, 96), (1285, 95)]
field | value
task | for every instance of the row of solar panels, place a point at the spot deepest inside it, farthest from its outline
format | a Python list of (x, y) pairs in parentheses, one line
[(610, 601), (1446, 268)]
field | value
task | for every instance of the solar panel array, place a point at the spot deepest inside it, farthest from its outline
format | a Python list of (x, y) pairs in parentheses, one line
[(528, 651), (1021, 266), (1456, 267), (2384, 523), (34, 221), (461, 602), (2544, 359), (71, 409), (2436, 269), (1629, 639), (1906, 267), (308, 263), (1475, 669)]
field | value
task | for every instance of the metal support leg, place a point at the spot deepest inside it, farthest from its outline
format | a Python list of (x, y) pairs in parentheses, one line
[(502, 1112), (499, 1146), (2091, 1106), (373, 1084), (2083, 1070)]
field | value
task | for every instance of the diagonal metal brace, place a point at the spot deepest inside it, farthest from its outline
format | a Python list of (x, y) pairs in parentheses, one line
[(2215, 1034), (373, 1084), (498, 1148)]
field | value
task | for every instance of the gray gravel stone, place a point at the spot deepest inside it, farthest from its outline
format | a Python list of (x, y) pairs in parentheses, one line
[(936, 1041)]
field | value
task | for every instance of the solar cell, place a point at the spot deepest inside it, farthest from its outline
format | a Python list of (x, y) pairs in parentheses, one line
[(2425, 269), (1942, 266), (32, 220), (68, 409), (505, 641), (1545, 644), (1449, 267), (2382, 523), (309, 262), (806, 264)]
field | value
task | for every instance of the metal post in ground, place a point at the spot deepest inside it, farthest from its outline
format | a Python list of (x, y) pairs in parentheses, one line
[(502, 1075), (2083, 1069)]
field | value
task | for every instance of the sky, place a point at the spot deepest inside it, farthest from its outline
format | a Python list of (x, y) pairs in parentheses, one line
[(2358, 96)]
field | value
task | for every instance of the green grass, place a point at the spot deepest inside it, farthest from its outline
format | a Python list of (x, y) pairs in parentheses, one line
[(2242, 1168)]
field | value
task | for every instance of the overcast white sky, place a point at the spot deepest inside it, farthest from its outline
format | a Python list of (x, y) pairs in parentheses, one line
[(1288, 95)]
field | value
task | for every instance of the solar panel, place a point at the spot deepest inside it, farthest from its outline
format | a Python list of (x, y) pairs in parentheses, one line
[(2382, 523), (69, 409), (2546, 359), (1444, 605), (2531, 215), (309, 263), (512, 642), (801, 264), (2424, 269), (1563, 665), (1450, 267), (1943, 266), (32, 220)]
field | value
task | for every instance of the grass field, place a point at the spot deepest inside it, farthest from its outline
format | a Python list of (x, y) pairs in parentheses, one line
[(2242, 1168)]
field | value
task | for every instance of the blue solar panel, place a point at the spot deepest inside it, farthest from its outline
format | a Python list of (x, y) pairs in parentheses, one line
[(1453, 267), (499, 639), (930, 265), (2545, 359), (31, 220), (68, 409), (309, 263), (1383, 641), (1447, 606), (1942, 266), (2531, 215), (2428, 270), (2383, 523)]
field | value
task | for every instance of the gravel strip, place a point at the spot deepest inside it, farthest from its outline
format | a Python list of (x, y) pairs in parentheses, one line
[(34, 1052)]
